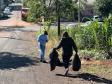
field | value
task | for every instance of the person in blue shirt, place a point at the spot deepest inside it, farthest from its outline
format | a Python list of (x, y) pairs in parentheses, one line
[(42, 40)]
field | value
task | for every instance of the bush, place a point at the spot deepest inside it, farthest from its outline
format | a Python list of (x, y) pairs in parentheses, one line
[(95, 36)]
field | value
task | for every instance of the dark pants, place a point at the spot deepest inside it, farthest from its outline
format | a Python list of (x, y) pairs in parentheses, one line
[(66, 59)]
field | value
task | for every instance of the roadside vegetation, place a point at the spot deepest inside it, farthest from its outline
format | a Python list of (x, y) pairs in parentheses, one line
[(94, 40)]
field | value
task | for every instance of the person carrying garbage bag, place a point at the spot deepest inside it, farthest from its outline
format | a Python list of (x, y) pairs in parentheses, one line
[(68, 45)]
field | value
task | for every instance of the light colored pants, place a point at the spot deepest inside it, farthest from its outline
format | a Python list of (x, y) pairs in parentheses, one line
[(42, 51)]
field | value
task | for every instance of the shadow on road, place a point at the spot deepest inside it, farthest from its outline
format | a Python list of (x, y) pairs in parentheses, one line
[(11, 28), (17, 39), (13, 61), (88, 77), (16, 28)]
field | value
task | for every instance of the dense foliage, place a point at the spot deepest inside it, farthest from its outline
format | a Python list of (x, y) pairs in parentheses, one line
[(38, 8), (94, 37), (104, 6)]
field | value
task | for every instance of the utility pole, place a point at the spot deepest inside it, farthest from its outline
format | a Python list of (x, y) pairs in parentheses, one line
[(78, 13), (43, 16), (58, 15)]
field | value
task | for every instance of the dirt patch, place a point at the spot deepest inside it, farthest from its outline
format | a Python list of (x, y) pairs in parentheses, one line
[(98, 62), (107, 63), (93, 62), (14, 23), (6, 34)]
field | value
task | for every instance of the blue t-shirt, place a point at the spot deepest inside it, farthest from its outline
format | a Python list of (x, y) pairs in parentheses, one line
[(42, 39)]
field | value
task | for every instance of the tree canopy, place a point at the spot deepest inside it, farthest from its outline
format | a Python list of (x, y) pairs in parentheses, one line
[(104, 7), (47, 8)]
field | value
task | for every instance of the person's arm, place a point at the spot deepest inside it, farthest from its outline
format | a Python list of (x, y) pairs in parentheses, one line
[(47, 38), (38, 38), (38, 41), (59, 45)]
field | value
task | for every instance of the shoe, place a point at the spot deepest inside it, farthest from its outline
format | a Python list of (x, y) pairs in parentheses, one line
[(44, 61), (41, 60), (52, 68), (66, 73)]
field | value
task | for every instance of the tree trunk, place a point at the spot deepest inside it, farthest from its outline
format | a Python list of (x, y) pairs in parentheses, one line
[(58, 16)]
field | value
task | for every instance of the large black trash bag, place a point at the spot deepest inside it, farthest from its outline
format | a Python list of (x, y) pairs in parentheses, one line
[(76, 63), (54, 60)]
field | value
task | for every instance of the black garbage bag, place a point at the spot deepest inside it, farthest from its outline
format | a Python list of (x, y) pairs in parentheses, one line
[(54, 60), (76, 63)]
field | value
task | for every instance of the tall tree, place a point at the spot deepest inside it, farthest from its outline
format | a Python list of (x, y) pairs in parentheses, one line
[(50, 9), (80, 4), (104, 7)]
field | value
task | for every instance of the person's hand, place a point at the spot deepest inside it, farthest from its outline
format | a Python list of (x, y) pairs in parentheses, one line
[(76, 52), (46, 40), (54, 48)]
